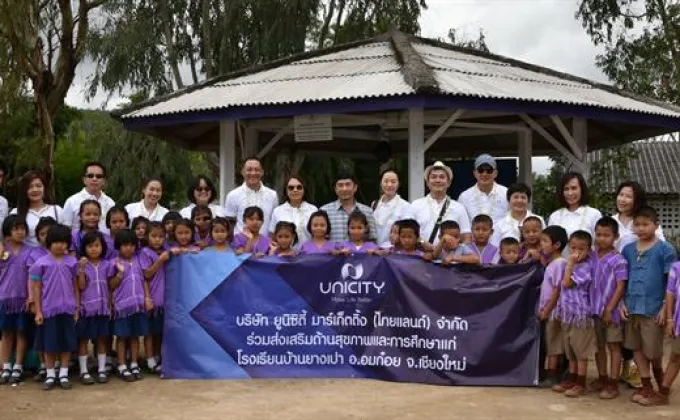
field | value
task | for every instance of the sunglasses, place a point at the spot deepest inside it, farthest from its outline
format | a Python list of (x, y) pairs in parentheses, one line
[(485, 170), (93, 176), (202, 189), (298, 187)]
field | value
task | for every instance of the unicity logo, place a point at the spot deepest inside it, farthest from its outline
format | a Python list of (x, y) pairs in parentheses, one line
[(351, 283)]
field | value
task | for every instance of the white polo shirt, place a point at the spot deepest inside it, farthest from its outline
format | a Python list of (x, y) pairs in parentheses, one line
[(494, 204), (386, 214), (627, 234), (243, 197), (216, 209), (426, 211), (299, 216), (72, 208), (34, 216), (583, 218), (137, 209), (508, 227)]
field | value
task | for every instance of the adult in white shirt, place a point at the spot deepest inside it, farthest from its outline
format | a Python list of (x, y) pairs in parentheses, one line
[(389, 208), (426, 210), (4, 206), (94, 178), (575, 214), (33, 204), (149, 207), (251, 193), (294, 210), (519, 197), (630, 197), (202, 191), (486, 196)]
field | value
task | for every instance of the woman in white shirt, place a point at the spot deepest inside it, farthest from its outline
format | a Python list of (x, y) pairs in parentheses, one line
[(389, 208), (519, 197), (32, 203), (575, 214), (149, 207), (294, 210), (202, 191), (630, 197)]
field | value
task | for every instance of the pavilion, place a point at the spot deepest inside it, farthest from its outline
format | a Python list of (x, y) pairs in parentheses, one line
[(422, 96)]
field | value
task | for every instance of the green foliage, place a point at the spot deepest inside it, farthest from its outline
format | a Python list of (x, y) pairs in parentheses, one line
[(479, 43), (71, 153)]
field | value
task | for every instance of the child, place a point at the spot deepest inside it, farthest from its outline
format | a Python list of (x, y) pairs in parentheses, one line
[(90, 213), (482, 229), (152, 260), (409, 232), (93, 323), (117, 219), (14, 296), (184, 234), (131, 301), (285, 237), (509, 251), (251, 240), (395, 232), (649, 262), (201, 215), (532, 227), (140, 226), (578, 330), (319, 228), (606, 292), (449, 249), (56, 305), (358, 231), (220, 232), (169, 223)]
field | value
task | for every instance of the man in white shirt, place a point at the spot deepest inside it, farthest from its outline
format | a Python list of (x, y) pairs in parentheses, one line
[(94, 178), (486, 196), (426, 210), (251, 193)]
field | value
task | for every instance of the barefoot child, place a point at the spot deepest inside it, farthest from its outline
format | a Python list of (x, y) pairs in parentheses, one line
[(250, 240), (449, 249), (285, 236), (319, 228), (358, 232), (482, 229), (508, 252)]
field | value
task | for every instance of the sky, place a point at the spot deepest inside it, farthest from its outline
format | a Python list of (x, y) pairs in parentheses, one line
[(542, 32)]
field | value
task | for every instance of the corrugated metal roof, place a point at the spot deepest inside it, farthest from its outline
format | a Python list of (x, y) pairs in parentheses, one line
[(656, 167), (372, 70)]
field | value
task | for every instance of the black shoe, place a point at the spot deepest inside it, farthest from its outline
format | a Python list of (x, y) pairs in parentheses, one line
[(48, 384), (16, 377), (64, 383), (40, 375), (126, 375), (86, 379), (137, 373), (102, 377), (5, 375)]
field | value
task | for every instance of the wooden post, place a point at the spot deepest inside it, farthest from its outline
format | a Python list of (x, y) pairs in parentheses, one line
[(416, 154), (227, 158), (524, 156)]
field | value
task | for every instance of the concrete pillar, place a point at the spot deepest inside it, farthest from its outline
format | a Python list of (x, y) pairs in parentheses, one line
[(524, 154), (580, 134), (227, 158), (416, 154)]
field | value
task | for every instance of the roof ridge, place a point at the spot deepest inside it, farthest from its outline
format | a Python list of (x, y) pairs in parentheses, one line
[(416, 72)]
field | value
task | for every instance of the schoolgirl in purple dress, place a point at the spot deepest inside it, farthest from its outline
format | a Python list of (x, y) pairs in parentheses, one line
[(131, 301), (56, 307), (184, 236), (169, 224), (140, 226), (319, 228), (117, 219), (221, 234), (358, 232), (89, 213), (93, 324), (15, 322), (251, 241), (201, 215), (285, 236), (152, 260)]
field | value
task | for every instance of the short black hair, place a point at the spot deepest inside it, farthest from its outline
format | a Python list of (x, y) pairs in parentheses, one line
[(409, 224), (358, 216), (155, 225), (44, 222), (533, 219), (509, 241), (58, 234), (115, 210), (518, 187), (557, 234), (582, 235), (124, 237), (287, 226), (253, 158), (639, 194), (11, 222), (171, 216), (185, 222), (448, 224), (647, 212), (252, 211), (94, 163), (199, 209), (345, 174), (482, 218), (585, 198), (90, 238), (608, 222), (196, 182), (322, 214), (138, 221), (85, 203), (222, 221)]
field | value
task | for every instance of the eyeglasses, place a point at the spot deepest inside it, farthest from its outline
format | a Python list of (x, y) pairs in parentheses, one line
[(202, 189), (298, 187), (485, 170), (93, 176)]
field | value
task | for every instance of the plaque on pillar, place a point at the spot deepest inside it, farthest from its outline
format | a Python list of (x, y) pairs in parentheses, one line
[(313, 128)]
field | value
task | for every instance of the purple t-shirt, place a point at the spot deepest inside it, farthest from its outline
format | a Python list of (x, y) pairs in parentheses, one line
[(128, 298), (58, 289), (260, 247), (552, 279), (416, 253), (363, 249), (13, 280), (575, 306), (459, 251), (610, 270), (94, 299), (489, 255), (111, 252), (674, 289), (207, 239), (148, 257), (310, 247)]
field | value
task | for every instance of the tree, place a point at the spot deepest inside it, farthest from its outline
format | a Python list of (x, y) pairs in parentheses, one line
[(455, 38), (42, 43)]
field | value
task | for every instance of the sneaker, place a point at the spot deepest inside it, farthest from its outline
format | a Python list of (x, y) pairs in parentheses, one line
[(597, 385), (633, 376), (563, 386), (641, 394), (654, 400), (575, 391), (610, 392)]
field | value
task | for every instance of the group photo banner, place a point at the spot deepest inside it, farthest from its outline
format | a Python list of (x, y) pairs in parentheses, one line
[(392, 318)]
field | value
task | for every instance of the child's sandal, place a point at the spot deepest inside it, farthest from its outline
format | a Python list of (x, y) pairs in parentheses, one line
[(86, 379), (4, 377), (157, 369), (64, 383), (102, 377), (40, 375), (137, 373), (17, 376), (126, 375), (48, 384)]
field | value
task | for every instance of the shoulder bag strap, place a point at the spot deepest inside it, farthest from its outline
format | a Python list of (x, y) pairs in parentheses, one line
[(437, 225)]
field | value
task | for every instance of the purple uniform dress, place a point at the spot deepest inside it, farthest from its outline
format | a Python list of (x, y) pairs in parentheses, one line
[(610, 270), (111, 252), (13, 281), (310, 247), (148, 257), (259, 247), (674, 289), (128, 298), (94, 299), (552, 279), (207, 239), (56, 276), (415, 253), (363, 249), (575, 306), (489, 255)]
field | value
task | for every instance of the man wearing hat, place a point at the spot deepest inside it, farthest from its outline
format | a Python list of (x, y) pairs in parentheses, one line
[(486, 196), (436, 207)]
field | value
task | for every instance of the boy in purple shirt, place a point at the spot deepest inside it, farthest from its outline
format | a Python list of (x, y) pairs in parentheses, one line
[(606, 292), (482, 229), (508, 251), (450, 249), (250, 240)]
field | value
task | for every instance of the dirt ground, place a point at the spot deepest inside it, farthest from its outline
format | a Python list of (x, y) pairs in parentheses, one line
[(321, 399)]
